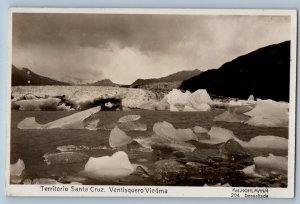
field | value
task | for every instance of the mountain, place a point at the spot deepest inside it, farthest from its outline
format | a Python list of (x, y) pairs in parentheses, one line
[(26, 77), (104, 82), (178, 76), (264, 73)]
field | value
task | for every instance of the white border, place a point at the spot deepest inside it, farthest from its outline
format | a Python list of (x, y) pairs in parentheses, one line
[(35, 190)]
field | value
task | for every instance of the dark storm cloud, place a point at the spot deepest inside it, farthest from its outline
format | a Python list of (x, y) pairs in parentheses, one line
[(102, 45)]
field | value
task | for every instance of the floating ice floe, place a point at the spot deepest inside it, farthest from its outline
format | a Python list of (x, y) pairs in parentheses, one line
[(64, 157), (117, 165), (157, 142), (16, 171), (266, 142), (74, 121), (277, 164), (167, 130), (118, 138), (38, 104), (269, 113), (220, 135), (229, 116), (72, 148), (17, 168), (129, 118), (264, 166)]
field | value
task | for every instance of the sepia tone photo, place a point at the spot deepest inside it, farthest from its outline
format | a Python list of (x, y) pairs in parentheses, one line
[(135, 102)]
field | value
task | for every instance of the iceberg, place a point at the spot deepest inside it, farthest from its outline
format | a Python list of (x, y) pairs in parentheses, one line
[(221, 135), (38, 104), (179, 101), (117, 165), (158, 142), (268, 113), (262, 121), (266, 142), (17, 168), (118, 138), (269, 108), (74, 121), (165, 130), (133, 126), (199, 97), (277, 164), (129, 118), (264, 166)]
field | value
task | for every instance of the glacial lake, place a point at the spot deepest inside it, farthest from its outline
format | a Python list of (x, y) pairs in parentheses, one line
[(31, 145)]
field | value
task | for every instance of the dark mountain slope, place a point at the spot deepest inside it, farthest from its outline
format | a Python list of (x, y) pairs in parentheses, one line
[(178, 76), (21, 77), (265, 73)]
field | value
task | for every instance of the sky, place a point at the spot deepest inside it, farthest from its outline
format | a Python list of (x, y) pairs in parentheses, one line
[(125, 47)]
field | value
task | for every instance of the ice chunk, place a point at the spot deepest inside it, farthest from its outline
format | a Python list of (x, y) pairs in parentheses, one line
[(92, 125), (219, 135), (118, 138), (250, 171), (177, 97), (269, 108), (74, 121), (277, 164), (183, 135), (263, 121), (229, 116), (17, 168), (199, 97), (267, 142), (129, 118), (179, 101), (117, 165), (158, 142), (65, 157), (38, 104), (199, 130), (165, 129)]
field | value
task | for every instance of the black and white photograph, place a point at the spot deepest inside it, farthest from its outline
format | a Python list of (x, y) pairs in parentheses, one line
[(152, 102)]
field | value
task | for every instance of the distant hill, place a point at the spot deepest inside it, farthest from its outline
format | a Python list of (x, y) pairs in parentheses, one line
[(176, 77), (104, 82), (264, 73), (26, 77)]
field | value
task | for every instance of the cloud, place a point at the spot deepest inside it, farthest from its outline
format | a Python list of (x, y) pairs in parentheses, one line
[(126, 47)]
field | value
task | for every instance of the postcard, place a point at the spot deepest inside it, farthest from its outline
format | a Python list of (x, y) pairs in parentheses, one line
[(151, 102)]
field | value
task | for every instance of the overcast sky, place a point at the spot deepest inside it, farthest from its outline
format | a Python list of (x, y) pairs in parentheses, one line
[(124, 48)]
